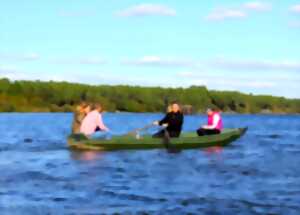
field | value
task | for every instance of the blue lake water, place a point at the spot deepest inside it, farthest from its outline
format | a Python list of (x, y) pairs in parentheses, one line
[(258, 174)]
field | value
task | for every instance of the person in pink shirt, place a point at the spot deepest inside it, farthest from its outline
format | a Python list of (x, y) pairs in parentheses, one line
[(92, 125), (214, 123)]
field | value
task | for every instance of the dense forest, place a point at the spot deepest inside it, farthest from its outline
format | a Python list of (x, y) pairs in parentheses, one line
[(38, 96)]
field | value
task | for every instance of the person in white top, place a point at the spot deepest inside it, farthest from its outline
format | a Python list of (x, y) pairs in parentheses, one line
[(214, 123)]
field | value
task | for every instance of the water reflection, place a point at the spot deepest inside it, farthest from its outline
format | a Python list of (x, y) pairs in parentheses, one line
[(86, 155), (216, 150)]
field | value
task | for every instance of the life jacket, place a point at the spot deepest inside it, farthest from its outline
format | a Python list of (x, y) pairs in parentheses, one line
[(211, 121)]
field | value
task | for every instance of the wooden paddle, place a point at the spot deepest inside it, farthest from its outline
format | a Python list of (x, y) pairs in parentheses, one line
[(134, 132), (171, 148)]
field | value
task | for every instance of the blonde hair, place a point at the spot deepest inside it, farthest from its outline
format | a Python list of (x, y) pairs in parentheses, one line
[(80, 107), (169, 108)]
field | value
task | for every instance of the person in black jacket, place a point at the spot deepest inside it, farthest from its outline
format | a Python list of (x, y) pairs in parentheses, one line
[(172, 121)]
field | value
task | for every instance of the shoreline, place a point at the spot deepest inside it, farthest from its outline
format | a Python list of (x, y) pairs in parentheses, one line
[(121, 112), (39, 96)]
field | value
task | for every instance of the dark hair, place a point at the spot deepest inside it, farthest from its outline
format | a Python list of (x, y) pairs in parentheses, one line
[(96, 106), (212, 108)]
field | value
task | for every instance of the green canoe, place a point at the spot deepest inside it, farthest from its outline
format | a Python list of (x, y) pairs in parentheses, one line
[(187, 140)]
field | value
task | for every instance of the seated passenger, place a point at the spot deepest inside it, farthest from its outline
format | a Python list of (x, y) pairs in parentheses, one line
[(173, 122), (80, 112), (92, 125), (214, 124)]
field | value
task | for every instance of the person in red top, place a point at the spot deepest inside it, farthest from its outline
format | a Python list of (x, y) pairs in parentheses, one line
[(214, 123)]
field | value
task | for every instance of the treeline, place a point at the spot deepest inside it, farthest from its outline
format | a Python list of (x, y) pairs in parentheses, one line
[(37, 96)]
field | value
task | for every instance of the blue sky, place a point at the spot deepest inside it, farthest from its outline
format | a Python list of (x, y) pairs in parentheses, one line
[(249, 46)]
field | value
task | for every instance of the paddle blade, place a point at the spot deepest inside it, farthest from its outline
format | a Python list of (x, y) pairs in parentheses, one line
[(171, 148)]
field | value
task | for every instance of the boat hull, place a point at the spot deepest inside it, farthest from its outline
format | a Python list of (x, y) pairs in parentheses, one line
[(187, 140)]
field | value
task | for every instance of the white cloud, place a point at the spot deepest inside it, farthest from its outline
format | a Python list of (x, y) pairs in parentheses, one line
[(31, 56), (86, 77), (295, 8), (117, 79), (229, 83), (83, 60), (186, 74), (20, 57), (75, 13), (222, 64), (160, 62), (223, 81), (238, 12), (257, 6), (13, 74), (220, 14), (261, 84), (147, 10), (92, 60), (7, 69), (256, 65), (294, 24)]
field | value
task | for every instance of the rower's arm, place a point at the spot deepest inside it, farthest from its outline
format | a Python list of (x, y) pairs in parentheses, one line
[(165, 120), (100, 123)]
